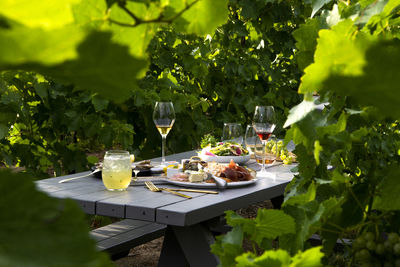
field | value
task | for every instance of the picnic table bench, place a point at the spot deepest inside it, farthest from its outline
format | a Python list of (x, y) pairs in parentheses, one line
[(118, 238)]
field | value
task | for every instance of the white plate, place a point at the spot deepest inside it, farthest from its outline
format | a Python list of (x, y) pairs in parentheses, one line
[(226, 159), (211, 185)]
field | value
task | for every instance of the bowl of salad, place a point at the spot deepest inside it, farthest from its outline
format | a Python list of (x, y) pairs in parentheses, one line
[(223, 152)]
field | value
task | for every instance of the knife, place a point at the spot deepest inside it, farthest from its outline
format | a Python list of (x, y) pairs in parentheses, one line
[(79, 177)]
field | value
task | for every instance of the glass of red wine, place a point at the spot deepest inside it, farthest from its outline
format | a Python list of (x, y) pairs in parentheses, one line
[(264, 122)]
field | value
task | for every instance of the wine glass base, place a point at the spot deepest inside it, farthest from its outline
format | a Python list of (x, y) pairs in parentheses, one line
[(265, 174)]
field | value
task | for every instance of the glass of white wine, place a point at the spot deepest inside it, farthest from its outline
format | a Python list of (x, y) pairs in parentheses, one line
[(117, 170), (164, 118), (232, 132), (250, 139), (271, 155)]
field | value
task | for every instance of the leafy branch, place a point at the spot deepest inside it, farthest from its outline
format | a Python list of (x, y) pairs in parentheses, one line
[(160, 19)]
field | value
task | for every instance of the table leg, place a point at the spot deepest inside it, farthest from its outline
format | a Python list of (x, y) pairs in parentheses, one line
[(171, 252), (277, 202), (187, 245)]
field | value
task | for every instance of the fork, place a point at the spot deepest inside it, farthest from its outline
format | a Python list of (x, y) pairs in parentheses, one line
[(154, 188)]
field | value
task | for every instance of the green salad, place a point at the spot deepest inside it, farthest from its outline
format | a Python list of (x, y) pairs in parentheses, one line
[(227, 149), (211, 147)]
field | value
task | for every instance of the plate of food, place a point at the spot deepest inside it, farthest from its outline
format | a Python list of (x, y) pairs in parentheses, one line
[(223, 152), (232, 173)]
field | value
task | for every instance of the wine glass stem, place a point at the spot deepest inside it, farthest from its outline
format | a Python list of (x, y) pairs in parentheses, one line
[(264, 143), (164, 138)]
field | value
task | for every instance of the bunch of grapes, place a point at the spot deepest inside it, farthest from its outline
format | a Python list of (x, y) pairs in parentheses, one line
[(370, 250), (270, 145), (279, 149), (286, 157)]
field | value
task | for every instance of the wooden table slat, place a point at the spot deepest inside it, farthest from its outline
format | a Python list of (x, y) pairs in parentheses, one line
[(210, 206)]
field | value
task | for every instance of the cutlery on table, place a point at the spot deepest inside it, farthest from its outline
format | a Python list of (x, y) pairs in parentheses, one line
[(79, 177), (154, 188), (192, 190), (221, 183)]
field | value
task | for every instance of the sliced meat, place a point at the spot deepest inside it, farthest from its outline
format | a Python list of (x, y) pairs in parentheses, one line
[(181, 177), (231, 174)]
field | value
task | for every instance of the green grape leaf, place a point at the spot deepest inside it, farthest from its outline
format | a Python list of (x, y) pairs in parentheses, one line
[(310, 258), (228, 246), (358, 134), (204, 16), (388, 199), (271, 224), (279, 258), (308, 220), (347, 57), (22, 45), (47, 14), (301, 199), (299, 112), (233, 219), (383, 59), (270, 258), (339, 177), (89, 61), (102, 66), (268, 224), (204, 105), (334, 128), (37, 225), (306, 35), (317, 5), (306, 41), (90, 14), (136, 38)]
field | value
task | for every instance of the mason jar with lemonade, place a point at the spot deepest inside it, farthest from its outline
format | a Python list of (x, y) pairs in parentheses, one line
[(117, 170)]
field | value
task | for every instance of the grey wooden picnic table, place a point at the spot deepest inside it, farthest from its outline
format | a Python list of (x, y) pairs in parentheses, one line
[(188, 236)]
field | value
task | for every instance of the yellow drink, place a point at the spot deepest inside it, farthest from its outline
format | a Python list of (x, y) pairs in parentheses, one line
[(116, 179), (117, 170), (164, 129)]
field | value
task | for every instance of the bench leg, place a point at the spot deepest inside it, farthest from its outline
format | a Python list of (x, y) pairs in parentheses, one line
[(193, 243)]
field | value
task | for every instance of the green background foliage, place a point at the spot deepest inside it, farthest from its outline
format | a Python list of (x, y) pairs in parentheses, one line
[(82, 76)]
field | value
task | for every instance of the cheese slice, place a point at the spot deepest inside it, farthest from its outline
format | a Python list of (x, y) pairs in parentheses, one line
[(196, 177)]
